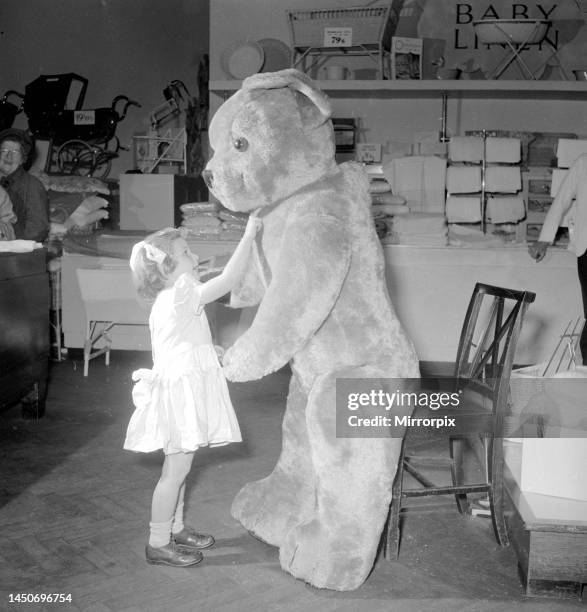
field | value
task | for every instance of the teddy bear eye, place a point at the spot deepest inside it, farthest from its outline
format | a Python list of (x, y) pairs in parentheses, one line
[(240, 144)]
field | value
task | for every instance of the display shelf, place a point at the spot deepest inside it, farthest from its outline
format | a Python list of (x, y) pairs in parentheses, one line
[(495, 89)]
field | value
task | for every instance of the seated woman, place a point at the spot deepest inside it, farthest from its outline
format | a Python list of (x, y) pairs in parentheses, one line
[(28, 196)]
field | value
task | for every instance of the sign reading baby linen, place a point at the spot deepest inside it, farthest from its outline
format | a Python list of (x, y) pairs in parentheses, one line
[(560, 50), (466, 13)]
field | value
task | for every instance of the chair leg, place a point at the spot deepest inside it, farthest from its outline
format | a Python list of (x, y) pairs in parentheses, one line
[(458, 472), (392, 536), (496, 496)]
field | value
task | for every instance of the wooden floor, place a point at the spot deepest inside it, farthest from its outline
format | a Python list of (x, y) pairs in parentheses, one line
[(74, 509)]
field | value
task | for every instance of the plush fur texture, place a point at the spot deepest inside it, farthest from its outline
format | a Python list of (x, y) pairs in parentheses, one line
[(317, 275)]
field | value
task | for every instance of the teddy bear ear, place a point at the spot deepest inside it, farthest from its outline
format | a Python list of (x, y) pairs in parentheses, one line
[(295, 80)]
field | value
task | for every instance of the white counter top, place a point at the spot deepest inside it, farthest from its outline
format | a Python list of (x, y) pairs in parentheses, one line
[(431, 286)]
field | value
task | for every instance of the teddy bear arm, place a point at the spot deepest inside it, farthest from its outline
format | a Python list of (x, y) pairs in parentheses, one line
[(304, 287)]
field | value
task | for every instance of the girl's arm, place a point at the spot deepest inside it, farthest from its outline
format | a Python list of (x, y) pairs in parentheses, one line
[(224, 282)]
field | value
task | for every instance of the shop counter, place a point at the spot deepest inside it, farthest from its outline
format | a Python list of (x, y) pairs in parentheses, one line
[(429, 286)]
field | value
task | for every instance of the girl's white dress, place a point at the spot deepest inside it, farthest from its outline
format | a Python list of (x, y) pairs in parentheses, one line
[(183, 402)]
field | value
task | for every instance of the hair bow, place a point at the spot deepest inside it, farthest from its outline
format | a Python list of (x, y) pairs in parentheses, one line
[(152, 253)]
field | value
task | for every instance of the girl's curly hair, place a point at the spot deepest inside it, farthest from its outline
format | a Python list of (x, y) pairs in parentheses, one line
[(149, 277)]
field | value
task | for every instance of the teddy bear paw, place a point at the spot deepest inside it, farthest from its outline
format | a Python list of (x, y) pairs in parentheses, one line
[(325, 557), (239, 365), (264, 511)]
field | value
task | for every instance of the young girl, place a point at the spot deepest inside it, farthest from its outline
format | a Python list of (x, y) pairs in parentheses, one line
[(183, 402)]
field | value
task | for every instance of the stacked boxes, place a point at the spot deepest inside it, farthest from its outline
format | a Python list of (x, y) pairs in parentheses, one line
[(484, 181)]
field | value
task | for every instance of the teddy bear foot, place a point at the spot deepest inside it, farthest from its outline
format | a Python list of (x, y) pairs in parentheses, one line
[(327, 558), (266, 511)]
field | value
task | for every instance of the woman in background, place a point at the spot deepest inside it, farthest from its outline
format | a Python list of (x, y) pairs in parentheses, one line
[(7, 217), (572, 195), (28, 196)]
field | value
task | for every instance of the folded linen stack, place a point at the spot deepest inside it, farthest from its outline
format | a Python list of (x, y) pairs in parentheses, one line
[(463, 208), (466, 149), (420, 179), (211, 220), (426, 229), (505, 209), (490, 165), (200, 219), (233, 224), (378, 185), (385, 204)]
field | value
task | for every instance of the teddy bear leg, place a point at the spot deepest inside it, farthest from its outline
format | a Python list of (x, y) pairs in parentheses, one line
[(269, 507), (336, 547)]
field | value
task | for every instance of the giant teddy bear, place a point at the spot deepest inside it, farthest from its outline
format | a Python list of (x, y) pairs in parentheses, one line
[(317, 276)]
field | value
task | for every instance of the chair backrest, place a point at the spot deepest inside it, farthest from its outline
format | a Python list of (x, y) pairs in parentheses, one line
[(488, 341), (109, 295)]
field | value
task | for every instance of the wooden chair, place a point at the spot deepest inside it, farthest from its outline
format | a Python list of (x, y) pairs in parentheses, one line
[(482, 371), (109, 299)]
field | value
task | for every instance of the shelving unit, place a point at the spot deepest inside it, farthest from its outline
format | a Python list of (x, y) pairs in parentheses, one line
[(498, 89)]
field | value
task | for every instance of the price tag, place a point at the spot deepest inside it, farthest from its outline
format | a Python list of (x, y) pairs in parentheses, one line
[(84, 117), (338, 37), (368, 152)]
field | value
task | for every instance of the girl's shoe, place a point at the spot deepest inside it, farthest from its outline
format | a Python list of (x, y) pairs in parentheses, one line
[(171, 555), (189, 538)]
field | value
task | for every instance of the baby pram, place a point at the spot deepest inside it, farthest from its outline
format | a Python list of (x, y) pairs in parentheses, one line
[(9, 110), (86, 138)]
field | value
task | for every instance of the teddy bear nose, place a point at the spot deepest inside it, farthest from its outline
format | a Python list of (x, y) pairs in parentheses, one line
[(208, 178)]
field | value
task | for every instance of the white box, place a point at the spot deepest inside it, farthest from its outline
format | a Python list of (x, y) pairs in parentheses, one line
[(555, 466), (568, 150), (503, 150), (406, 58), (463, 179), (503, 179), (152, 201), (552, 465)]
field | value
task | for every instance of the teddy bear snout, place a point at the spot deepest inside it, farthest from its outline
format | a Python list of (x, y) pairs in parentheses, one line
[(208, 177)]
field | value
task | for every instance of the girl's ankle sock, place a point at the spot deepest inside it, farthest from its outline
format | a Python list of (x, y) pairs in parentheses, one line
[(159, 534)]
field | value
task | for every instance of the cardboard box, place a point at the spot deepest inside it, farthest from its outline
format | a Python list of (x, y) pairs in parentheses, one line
[(568, 150), (152, 201), (554, 466), (406, 58)]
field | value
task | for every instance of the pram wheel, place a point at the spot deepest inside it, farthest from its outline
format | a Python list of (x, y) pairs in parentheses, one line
[(79, 157)]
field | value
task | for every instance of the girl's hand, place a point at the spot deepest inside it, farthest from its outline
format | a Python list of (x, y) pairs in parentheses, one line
[(254, 224), (6, 231), (219, 352)]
